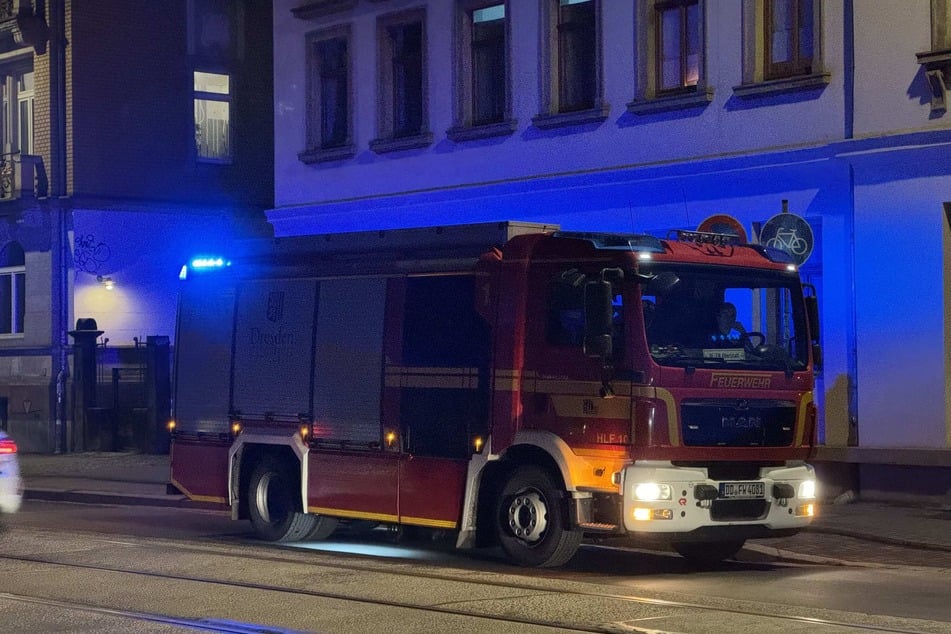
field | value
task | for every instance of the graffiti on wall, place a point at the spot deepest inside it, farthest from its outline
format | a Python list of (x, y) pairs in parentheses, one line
[(89, 254)]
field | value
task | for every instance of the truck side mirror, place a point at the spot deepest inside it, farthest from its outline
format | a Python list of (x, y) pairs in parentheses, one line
[(598, 319)]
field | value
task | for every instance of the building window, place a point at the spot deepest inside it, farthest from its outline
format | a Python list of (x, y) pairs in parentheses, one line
[(669, 40), (12, 290), (403, 86), (482, 76), (488, 64), (573, 59), (782, 48), (577, 55), (329, 114), (678, 45), (18, 113), (788, 26), (212, 97)]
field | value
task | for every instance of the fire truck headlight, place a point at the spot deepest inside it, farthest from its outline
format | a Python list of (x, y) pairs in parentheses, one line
[(651, 491), (807, 490)]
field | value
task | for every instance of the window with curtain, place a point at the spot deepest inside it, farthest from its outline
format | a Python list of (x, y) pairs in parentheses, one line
[(789, 38)]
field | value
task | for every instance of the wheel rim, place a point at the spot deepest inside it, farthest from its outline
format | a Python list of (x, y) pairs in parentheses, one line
[(528, 516), (268, 499)]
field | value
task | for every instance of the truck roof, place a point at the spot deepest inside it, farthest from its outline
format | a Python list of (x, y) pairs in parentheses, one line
[(459, 246)]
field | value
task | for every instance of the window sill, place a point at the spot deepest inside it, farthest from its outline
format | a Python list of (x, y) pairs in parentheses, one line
[(325, 155), (398, 144), (322, 8), (935, 59), (779, 86), (563, 119), (666, 103), (485, 131)]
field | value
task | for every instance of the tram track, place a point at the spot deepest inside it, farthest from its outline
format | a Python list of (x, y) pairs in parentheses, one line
[(513, 586)]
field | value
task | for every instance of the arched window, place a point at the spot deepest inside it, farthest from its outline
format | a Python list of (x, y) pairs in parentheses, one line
[(12, 289)]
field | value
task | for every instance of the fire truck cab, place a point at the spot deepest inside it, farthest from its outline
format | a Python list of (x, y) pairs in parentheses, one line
[(510, 382)]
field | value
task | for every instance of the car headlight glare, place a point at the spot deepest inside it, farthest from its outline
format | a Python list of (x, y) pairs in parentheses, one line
[(651, 491), (807, 490)]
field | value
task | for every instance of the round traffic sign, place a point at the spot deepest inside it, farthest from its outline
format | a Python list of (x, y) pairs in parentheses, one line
[(790, 233)]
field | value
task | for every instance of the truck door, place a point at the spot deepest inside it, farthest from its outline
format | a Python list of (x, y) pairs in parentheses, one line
[(354, 467), (436, 384), (199, 454), (564, 389)]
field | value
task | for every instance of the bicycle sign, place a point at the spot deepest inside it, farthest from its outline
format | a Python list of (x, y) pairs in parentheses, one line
[(790, 233)]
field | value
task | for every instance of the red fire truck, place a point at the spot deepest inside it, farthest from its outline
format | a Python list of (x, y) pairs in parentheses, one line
[(513, 383)]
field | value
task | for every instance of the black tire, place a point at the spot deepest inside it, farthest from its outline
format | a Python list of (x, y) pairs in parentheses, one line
[(708, 553), (323, 528), (274, 505), (531, 520)]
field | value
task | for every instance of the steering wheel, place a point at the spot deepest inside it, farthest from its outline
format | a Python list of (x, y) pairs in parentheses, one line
[(753, 340)]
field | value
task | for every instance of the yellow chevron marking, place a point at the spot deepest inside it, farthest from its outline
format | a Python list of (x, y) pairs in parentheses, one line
[(197, 498)]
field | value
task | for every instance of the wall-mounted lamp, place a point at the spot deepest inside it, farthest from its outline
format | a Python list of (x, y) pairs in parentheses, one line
[(106, 281)]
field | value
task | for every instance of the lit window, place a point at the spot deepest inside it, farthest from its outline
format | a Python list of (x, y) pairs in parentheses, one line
[(212, 116), (678, 45), (12, 290), (789, 37)]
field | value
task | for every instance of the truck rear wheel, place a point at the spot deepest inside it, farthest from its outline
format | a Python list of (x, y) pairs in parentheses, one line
[(531, 520), (708, 553), (273, 507)]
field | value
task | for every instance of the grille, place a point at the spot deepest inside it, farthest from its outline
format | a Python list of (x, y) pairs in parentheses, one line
[(737, 510), (738, 423)]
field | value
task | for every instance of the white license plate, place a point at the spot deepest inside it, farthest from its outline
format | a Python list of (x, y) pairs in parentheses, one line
[(741, 490)]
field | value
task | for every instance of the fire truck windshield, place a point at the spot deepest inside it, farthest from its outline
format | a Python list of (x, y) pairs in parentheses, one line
[(721, 316)]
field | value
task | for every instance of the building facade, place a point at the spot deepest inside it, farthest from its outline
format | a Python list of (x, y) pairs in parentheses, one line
[(134, 135), (648, 115)]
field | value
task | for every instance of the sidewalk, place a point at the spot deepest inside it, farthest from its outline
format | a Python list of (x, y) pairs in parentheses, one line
[(131, 478)]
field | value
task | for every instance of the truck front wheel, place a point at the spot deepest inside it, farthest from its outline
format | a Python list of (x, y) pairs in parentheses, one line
[(531, 520), (272, 505)]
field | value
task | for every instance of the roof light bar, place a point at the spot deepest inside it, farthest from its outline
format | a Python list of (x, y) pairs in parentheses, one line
[(209, 262), (705, 237)]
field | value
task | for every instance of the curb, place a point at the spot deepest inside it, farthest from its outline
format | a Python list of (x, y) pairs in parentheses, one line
[(99, 497), (881, 539)]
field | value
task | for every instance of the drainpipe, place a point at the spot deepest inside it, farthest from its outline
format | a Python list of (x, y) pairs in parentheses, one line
[(56, 15)]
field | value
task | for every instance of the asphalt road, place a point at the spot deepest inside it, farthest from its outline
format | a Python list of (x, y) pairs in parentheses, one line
[(78, 567)]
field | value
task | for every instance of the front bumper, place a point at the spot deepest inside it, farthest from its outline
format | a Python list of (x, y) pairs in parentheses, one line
[(697, 503)]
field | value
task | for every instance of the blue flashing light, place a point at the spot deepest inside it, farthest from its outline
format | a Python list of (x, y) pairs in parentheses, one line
[(183, 274), (206, 262)]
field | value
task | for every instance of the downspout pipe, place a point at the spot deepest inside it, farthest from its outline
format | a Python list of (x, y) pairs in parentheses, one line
[(56, 14)]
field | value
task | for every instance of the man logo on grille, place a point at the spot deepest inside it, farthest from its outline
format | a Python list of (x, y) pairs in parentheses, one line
[(275, 306)]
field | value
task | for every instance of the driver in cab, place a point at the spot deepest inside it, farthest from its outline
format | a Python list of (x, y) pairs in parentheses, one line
[(729, 331)]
